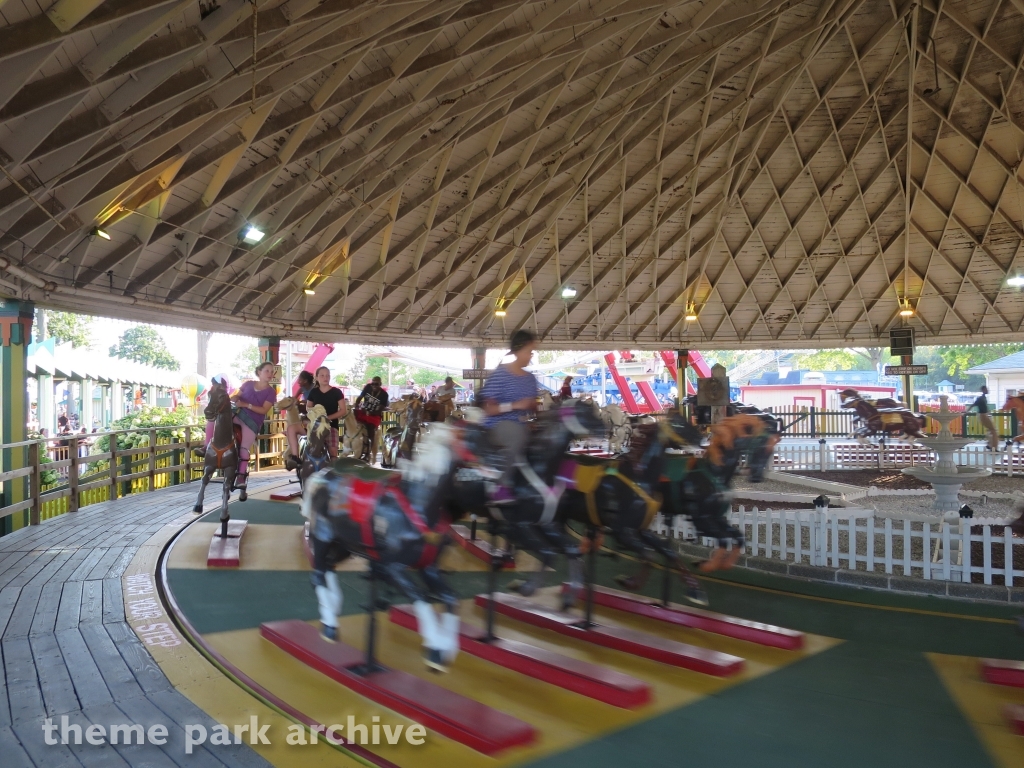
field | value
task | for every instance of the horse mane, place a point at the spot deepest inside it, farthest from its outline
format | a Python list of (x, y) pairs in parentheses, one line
[(432, 456), (318, 416)]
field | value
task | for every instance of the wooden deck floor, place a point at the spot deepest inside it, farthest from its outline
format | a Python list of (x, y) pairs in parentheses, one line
[(67, 650)]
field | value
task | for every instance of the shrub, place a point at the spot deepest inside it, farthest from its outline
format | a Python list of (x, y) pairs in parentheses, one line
[(170, 425)]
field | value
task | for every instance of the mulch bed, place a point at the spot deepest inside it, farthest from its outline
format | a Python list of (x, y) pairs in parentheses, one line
[(891, 479), (749, 503), (998, 557)]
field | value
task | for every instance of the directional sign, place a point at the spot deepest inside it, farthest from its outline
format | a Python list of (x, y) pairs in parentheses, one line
[(475, 373), (906, 370)]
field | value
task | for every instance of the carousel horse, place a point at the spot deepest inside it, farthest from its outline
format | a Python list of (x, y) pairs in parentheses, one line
[(289, 406), (399, 441), (353, 436), (396, 521), (622, 495), (700, 488), (547, 402), (527, 514), (222, 453), (875, 418), (619, 429), (315, 454), (1015, 403)]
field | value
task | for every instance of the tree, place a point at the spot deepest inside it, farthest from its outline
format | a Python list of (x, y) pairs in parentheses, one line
[(245, 364), (830, 360), (143, 344), (69, 328), (957, 359)]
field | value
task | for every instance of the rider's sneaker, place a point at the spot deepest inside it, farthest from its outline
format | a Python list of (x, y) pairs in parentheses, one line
[(240, 481), (434, 660), (330, 634), (290, 462)]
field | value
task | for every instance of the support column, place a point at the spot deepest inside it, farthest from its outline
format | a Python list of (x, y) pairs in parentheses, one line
[(116, 401), (151, 394), (44, 400), (479, 362), (104, 405), (87, 388), (270, 352), (15, 336)]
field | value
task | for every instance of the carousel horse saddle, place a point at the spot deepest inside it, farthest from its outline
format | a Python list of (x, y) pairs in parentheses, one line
[(350, 466)]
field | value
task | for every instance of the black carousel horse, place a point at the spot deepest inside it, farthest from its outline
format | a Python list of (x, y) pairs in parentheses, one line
[(700, 487), (314, 454), (398, 442), (222, 453), (622, 495), (395, 520)]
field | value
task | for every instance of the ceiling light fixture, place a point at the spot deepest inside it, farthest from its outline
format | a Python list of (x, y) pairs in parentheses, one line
[(309, 291), (906, 310), (1017, 281), (253, 235), (691, 313), (568, 292), (100, 233)]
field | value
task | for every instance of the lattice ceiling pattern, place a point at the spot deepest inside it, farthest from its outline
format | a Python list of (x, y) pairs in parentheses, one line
[(419, 165)]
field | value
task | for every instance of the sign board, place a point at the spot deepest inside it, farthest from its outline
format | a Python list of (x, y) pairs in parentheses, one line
[(712, 391), (906, 370), (475, 373), (901, 342)]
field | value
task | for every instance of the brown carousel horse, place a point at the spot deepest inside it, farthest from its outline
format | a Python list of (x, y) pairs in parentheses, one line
[(222, 453), (1015, 403), (886, 417)]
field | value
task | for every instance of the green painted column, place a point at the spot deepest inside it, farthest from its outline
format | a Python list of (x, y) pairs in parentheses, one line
[(15, 336)]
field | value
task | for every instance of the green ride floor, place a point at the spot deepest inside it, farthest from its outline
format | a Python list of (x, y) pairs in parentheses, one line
[(871, 701)]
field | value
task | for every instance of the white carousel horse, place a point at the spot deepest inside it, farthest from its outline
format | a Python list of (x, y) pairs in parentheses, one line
[(547, 401), (619, 430), (353, 438)]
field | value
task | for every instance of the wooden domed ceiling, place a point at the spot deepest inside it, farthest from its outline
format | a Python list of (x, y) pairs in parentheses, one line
[(419, 167)]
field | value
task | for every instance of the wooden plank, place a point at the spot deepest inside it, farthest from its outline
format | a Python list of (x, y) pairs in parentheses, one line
[(8, 599), (99, 570), (87, 565), (147, 754), (116, 674), (30, 735), (91, 756), (21, 618), (12, 754), (92, 603), (46, 609), (54, 679), (23, 692), (113, 601), (70, 606), (141, 663), (89, 684)]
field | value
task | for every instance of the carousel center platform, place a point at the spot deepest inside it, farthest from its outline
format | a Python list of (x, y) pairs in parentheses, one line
[(112, 618)]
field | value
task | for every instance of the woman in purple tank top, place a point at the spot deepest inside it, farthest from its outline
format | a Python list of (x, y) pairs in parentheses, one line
[(254, 399)]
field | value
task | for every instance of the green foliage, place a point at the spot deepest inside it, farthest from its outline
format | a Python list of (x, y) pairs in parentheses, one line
[(832, 360), (170, 424), (143, 344), (69, 328), (956, 360), (245, 364), (47, 476)]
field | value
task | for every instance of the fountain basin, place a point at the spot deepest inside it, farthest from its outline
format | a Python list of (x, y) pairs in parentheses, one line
[(946, 484)]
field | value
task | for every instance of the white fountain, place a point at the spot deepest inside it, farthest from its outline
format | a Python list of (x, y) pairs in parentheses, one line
[(945, 476)]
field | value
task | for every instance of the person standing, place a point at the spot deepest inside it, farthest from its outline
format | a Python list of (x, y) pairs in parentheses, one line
[(566, 391), (254, 399), (509, 397), (981, 404), (374, 401), (333, 401)]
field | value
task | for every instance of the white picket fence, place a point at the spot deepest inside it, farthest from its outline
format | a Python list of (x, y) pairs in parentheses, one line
[(856, 542), (827, 456)]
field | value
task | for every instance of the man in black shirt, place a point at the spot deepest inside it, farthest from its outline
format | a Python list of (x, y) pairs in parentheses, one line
[(374, 400), (986, 421)]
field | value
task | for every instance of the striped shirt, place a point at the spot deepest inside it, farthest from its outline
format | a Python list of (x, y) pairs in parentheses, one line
[(503, 387)]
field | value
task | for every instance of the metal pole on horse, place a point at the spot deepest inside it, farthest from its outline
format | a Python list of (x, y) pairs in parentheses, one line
[(682, 355), (370, 665), (588, 620)]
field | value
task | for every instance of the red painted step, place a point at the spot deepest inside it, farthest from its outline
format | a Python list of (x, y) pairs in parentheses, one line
[(479, 548), (225, 553), (1003, 672), (696, 618), (618, 638), (591, 680), (286, 495), (458, 718)]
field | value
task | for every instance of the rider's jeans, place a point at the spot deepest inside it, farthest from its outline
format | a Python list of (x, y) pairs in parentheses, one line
[(511, 437)]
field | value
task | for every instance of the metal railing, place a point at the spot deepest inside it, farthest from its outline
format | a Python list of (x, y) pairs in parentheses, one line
[(52, 476), (828, 456)]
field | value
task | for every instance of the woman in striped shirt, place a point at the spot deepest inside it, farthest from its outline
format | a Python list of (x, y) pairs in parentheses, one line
[(509, 398)]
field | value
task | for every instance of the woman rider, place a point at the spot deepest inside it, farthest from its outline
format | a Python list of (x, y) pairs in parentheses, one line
[(254, 399), (509, 397), (292, 431), (333, 401)]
